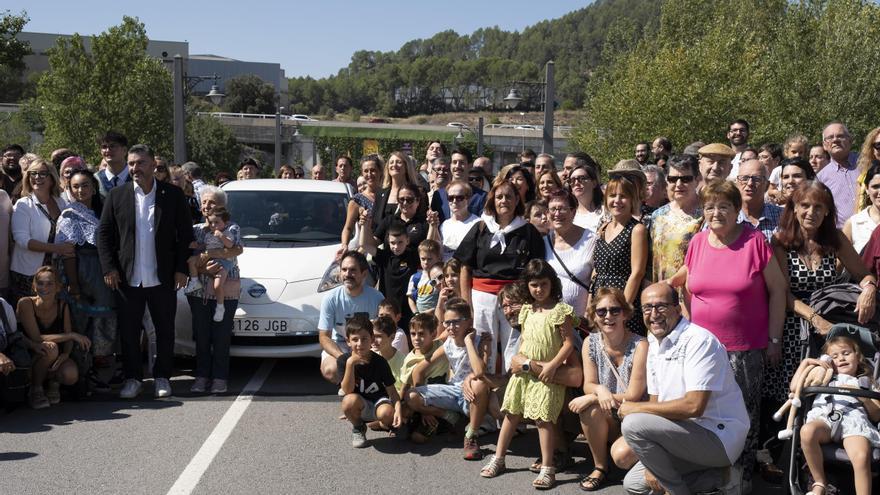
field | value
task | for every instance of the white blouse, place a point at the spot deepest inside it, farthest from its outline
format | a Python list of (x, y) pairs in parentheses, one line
[(862, 227), (28, 222)]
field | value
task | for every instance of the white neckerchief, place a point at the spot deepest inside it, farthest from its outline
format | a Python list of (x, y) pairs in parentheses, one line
[(498, 232)]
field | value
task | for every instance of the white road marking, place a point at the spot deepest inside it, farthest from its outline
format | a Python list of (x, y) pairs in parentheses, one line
[(189, 478)]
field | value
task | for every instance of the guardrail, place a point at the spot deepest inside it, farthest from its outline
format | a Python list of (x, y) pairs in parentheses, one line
[(527, 127)]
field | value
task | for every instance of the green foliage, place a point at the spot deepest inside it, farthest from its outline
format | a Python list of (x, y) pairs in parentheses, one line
[(451, 72), (12, 53), (249, 94), (212, 145), (115, 86), (784, 67), (14, 129)]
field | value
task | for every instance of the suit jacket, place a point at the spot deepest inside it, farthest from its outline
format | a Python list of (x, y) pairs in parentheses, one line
[(173, 232)]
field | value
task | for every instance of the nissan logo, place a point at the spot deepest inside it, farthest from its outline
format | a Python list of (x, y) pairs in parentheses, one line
[(256, 291)]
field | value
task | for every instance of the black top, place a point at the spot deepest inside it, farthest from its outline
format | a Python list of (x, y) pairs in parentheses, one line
[(523, 244), (370, 379), (416, 230), (381, 207), (395, 271)]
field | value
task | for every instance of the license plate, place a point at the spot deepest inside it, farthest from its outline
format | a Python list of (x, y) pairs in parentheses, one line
[(260, 326)]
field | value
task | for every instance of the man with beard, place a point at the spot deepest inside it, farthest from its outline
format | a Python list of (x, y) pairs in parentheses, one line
[(840, 175), (11, 176), (693, 428), (460, 169), (643, 151), (661, 147), (143, 244), (738, 135), (339, 305)]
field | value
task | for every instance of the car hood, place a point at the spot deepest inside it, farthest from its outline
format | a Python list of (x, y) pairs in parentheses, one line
[(291, 262)]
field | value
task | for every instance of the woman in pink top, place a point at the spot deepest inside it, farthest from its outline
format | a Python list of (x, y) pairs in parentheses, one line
[(737, 294)]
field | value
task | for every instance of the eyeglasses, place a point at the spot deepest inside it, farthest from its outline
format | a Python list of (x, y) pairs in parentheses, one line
[(685, 179), (720, 208), (614, 310), (836, 137), (876, 146), (659, 307), (560, 209), (580, 179), (455, 198), (406, 200), (161, 169), (38, 175), (745, 179), (453, 323)]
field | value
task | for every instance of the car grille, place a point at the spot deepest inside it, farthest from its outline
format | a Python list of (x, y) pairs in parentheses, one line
[(280, 341)]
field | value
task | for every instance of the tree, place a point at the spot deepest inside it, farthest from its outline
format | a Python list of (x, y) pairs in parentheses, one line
[(12, 53), (212, 145), (115, 86), (249, 94), (785, 67)]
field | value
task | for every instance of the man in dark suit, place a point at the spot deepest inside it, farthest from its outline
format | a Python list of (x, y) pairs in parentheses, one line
[(143, 243)]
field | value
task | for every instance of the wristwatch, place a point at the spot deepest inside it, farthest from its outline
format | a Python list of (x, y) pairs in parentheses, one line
[(526, 366)]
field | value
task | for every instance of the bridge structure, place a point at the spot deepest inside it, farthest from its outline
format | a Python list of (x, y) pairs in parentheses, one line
[(299, 138)]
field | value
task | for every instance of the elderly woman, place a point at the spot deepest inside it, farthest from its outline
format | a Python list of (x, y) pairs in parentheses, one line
[(45, 320), (729, 267), (68, 166), (621, 254), (673, 224), (547, 183), (371, 171), (454, 229), (212, 337), (859, 227), (569, 250), (92, 303), (33, 227), (583, 182), (615, 362), (493, 254), (398, 172)]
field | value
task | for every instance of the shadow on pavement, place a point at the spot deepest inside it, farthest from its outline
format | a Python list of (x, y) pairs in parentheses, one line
[(16, 456)]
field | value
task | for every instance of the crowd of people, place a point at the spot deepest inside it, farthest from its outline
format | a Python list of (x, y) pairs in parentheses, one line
[(660, 308)]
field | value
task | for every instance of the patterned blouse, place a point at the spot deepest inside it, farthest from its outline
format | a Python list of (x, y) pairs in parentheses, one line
[(671, 231), (603, 363)]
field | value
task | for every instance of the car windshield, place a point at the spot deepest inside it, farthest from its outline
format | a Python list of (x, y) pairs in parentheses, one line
[(289, 216)]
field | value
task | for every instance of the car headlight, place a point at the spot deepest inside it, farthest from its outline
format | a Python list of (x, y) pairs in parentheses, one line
[(330, 280)]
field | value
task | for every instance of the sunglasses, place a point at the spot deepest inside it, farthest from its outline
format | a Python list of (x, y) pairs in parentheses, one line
[(455, 198), (161, 169), (685, 179), (406, 200), (453, 323), (614, 310)]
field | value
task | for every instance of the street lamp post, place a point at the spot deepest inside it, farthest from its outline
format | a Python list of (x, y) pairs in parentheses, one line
[(278, 139), (183, 84), (548, 86)]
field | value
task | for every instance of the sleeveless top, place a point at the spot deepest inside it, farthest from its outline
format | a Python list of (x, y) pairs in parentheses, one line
[(862, 228), (603, 364), (57, 325)]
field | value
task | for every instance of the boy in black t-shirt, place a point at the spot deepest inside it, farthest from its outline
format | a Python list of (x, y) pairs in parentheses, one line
[(367, 382), (396, 264)]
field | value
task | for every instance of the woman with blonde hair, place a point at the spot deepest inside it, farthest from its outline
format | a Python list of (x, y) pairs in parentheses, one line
[(870, 152), (399, 171)]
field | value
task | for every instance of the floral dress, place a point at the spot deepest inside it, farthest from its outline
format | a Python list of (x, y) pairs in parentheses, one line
[(802, 283), (541, 340)]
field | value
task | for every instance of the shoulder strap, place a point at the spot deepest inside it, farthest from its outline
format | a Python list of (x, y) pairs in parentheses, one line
[(567, 271), (613, 368)]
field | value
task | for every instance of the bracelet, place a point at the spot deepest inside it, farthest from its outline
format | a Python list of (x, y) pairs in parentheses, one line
[(812, 315)]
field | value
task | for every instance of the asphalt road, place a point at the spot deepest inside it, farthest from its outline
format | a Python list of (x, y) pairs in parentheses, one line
[(287, 439)]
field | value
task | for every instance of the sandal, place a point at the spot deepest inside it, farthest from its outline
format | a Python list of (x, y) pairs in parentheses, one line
[(593, 483), (493, 468), (820, 485), (546, 479), (561, 459)]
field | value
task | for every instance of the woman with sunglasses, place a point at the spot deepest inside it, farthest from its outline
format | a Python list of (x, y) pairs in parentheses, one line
[(371, 171), (410, 213), (615, 361), (399, 171), (34, 217), (453, 229), (162, 174), (673, 224), (583, 182)]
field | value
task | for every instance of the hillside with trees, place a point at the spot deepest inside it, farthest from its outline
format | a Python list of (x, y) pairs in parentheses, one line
[(459, 72)]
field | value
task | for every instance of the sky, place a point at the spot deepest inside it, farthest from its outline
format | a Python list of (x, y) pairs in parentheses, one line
[(314, 38)]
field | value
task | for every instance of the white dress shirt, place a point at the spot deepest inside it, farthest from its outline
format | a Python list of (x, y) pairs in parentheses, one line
[(122, 175), (28, 222), (690, 358), (145, 272)]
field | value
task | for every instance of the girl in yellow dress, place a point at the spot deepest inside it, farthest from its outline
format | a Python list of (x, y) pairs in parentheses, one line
[(546, 337)]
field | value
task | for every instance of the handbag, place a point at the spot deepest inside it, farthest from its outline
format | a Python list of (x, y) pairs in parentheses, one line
[(567, 271)]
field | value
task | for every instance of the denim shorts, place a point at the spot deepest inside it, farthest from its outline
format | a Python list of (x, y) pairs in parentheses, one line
[(227, 265), (447, 397)]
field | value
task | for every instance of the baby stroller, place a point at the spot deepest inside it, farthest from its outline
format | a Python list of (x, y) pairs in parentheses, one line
[(838, 469)]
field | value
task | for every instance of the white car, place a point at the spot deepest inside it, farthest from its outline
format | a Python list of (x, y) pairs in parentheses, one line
[(290, 231), (302, 118)]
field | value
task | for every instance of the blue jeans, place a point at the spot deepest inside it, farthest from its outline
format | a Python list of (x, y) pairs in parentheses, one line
[(212, 338)]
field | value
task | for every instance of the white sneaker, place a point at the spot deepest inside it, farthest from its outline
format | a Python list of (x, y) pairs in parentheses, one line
[(163, 388), (193, 285), (130, 389), (219, 312)]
